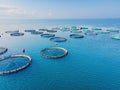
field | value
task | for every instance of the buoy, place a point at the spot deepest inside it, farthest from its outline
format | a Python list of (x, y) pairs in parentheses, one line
[(23, 50)]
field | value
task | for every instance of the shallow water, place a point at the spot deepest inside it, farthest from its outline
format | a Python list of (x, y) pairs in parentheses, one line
[(92, 62)]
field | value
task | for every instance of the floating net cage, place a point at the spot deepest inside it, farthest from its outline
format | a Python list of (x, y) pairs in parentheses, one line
[(47, 35), (58, 39), (74, 28), (14, 63), (42, 29), (83, 27), (91, 33), (76, 36), (113, 30), (56, 28), (29, 30), (54, 52), (103, 32), (76, 31), (17, 34), (87, 30), (117, 37), (36, 33), (65, 29), (3, 50), (96, 29), (16, 31), (52, 31)]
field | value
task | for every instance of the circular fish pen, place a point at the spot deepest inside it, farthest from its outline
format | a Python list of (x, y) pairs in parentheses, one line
[(96, 29), (74, 28), (54, 52), (58, 39), (16, 31), (17, 34), (104, 32), (117, 37), (47, 35), (36, 33), (3, 50), (56, 28), (42, 29), (113, 30), (29, 30), (87, 30), (76, 31), (52, 31), (64, 29), (91, 33), (14, 63), (83, 27), (76, 36)]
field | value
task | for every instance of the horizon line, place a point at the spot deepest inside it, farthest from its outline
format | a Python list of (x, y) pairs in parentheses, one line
[(55, 18)]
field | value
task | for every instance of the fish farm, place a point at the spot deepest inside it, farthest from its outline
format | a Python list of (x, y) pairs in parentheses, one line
[(52, 52)]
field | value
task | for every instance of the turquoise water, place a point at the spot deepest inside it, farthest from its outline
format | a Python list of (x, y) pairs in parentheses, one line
[(92, 63)]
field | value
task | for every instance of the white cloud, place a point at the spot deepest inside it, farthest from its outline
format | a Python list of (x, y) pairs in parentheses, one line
[(6, 7), (14, 12)]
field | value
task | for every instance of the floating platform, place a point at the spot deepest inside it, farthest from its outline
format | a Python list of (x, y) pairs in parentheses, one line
[(54, 52)]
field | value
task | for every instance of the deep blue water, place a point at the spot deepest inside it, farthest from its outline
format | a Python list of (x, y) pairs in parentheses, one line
[(92, 63)]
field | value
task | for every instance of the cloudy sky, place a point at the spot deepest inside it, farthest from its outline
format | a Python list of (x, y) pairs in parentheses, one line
[(59, 9)]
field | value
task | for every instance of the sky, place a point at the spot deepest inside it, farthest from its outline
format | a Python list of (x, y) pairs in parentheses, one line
[(59, 9)]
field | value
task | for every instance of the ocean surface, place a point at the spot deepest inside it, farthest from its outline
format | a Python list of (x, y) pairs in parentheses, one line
[(92, 63)]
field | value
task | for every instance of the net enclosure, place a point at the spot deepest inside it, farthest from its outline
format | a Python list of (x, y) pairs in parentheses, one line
[(54, 52), (14, 63)]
